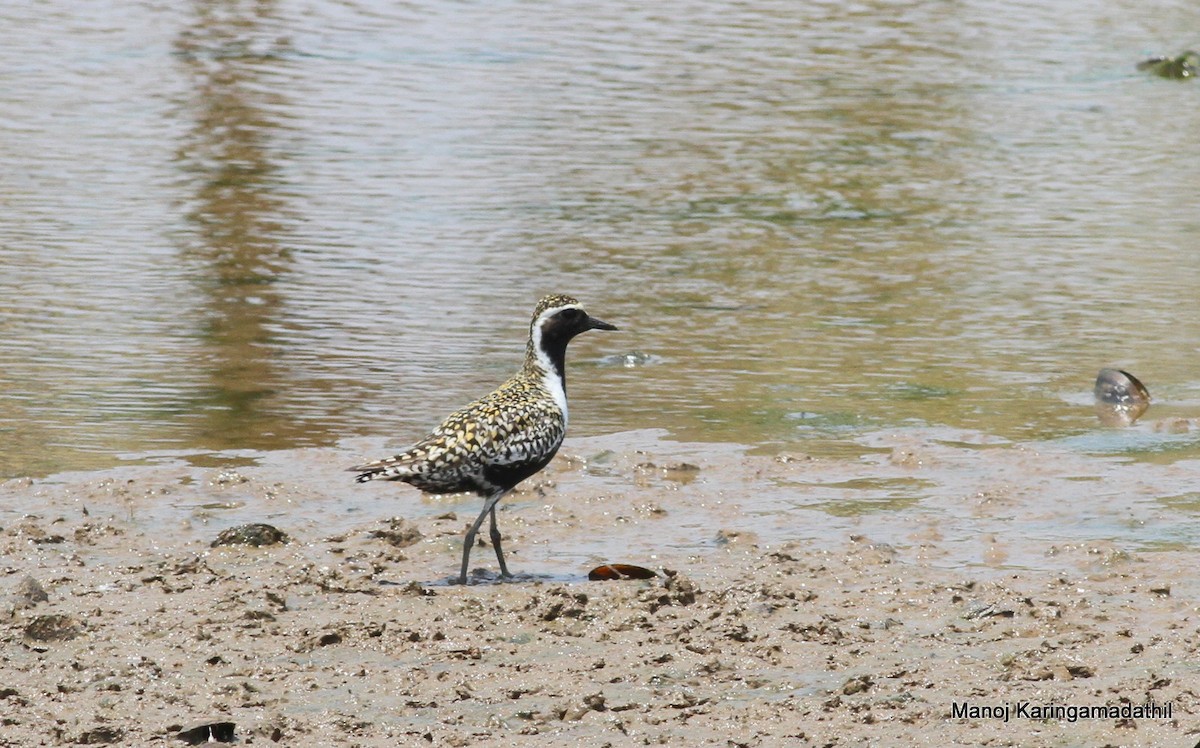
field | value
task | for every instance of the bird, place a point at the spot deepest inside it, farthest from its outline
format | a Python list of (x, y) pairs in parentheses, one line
[(504, 437)]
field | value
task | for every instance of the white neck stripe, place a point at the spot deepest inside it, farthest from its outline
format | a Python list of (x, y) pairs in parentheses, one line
[(551, 378)]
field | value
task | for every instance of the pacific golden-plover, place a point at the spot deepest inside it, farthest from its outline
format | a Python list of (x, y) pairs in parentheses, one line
[(501, 439)]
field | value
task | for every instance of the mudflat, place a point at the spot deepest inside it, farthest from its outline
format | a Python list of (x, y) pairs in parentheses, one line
[(122, 624)]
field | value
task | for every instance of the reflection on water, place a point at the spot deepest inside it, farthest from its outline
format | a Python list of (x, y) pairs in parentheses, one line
[(235, 246), (263, 225)]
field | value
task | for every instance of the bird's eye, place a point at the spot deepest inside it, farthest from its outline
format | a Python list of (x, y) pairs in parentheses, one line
[(572, 313)]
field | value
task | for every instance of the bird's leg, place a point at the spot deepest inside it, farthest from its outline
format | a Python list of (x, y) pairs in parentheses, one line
[(469, 540), (495, 536)]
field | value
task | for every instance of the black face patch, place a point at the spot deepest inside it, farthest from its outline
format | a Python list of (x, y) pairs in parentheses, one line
[(560, 328), (557, 330)]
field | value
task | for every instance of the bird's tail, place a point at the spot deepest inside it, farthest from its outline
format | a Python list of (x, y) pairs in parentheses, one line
[(392, 468)]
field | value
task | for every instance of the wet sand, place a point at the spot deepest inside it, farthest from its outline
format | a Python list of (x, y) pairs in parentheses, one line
[(122, 625)]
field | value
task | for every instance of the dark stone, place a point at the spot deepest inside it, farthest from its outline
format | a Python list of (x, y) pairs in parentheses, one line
[(101, 735), (255, 534), (55, 627)]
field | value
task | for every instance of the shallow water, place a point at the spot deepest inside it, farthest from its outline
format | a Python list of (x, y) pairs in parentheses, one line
[(938, 497), (262, 226)]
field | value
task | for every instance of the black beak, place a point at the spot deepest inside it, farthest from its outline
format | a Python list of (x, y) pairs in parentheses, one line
[(596, 324)]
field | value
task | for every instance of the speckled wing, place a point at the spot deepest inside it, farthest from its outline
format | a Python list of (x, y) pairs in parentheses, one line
[(478, 444)]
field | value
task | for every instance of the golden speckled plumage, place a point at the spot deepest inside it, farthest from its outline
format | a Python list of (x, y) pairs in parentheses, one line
[(516, 425), (494, 443)]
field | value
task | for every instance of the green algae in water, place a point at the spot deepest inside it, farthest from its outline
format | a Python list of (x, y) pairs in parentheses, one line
[(1181, 67)]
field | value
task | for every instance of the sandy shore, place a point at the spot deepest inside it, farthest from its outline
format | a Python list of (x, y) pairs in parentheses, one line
[(122, 625)]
